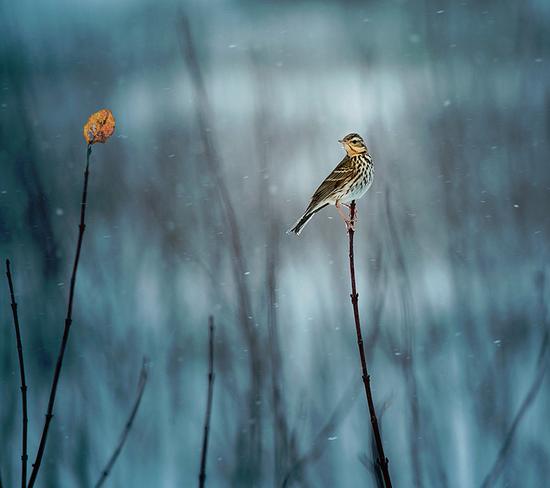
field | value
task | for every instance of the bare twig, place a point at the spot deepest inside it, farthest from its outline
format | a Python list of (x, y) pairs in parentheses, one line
[(382, 459), (542, 365), (67, 329), (204, 452), (25, 418), (127, 427)]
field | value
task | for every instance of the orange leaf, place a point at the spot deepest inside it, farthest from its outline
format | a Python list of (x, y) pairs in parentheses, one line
[(100, 127)]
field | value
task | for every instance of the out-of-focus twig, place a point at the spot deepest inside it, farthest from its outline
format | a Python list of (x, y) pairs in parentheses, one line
[(25, 418), (338, 415), (68, 322), (268, 207), (366, 461), (252, 460), (280, 424), (127, 427), (542, 365), (204, 451), (407, 362), (382, 459)]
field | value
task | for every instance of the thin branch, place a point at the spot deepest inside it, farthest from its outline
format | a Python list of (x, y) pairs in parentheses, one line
[(127, 427), (25, 419), (496, 469), (382, 459), (202, 474), (68, 322)]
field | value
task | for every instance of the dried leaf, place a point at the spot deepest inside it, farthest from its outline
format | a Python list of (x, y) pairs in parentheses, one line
[(100, 127)]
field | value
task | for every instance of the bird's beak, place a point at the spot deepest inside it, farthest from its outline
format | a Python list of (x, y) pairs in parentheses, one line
[(341, 141)]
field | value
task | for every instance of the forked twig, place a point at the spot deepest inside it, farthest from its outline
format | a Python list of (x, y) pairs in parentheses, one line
[(67, 329), (382, 459), (204, 452), (127, 427), (25, 419)]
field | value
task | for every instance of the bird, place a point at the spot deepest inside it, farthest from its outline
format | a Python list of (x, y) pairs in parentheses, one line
[(349, 181)]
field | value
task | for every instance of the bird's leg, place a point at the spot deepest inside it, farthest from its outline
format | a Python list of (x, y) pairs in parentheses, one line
[(355, 219), (349, 222)]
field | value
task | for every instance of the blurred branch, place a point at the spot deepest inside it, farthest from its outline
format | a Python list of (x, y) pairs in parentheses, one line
[(371, 466), (27, 157), (408, 358), (202, 475), (140, 389), (502, 456), (338, 415), (379, 293), (252, 459), (382, 459), (68, 322), (212, 159), (25, 418), (280, 425), (267, 207)]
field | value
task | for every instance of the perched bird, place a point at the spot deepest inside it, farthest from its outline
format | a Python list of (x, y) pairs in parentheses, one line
[(348, 181)]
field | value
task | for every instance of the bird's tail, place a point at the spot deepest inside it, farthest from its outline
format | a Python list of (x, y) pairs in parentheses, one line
[(303, 220)]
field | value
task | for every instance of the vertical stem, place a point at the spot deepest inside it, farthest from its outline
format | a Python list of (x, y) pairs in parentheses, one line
[(24, 455), (68, 322), (202, 474), (382, 459)]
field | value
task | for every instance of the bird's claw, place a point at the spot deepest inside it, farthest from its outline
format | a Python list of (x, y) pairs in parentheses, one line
[(350, 225)]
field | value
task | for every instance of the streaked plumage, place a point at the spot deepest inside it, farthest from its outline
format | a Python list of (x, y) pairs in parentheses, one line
[(348, 181)]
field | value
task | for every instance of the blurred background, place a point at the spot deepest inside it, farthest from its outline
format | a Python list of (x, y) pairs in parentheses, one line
[(228, 115)]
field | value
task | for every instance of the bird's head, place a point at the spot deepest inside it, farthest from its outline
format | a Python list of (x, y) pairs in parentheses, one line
[(353, 144)]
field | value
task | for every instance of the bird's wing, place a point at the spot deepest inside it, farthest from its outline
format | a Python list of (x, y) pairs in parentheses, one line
[(332, 182)]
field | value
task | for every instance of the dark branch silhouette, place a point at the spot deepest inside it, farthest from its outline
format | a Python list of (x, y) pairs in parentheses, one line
[(382, 459), (542, 365), (204, 452), (68, 322), (25, 419), (127, 427)]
